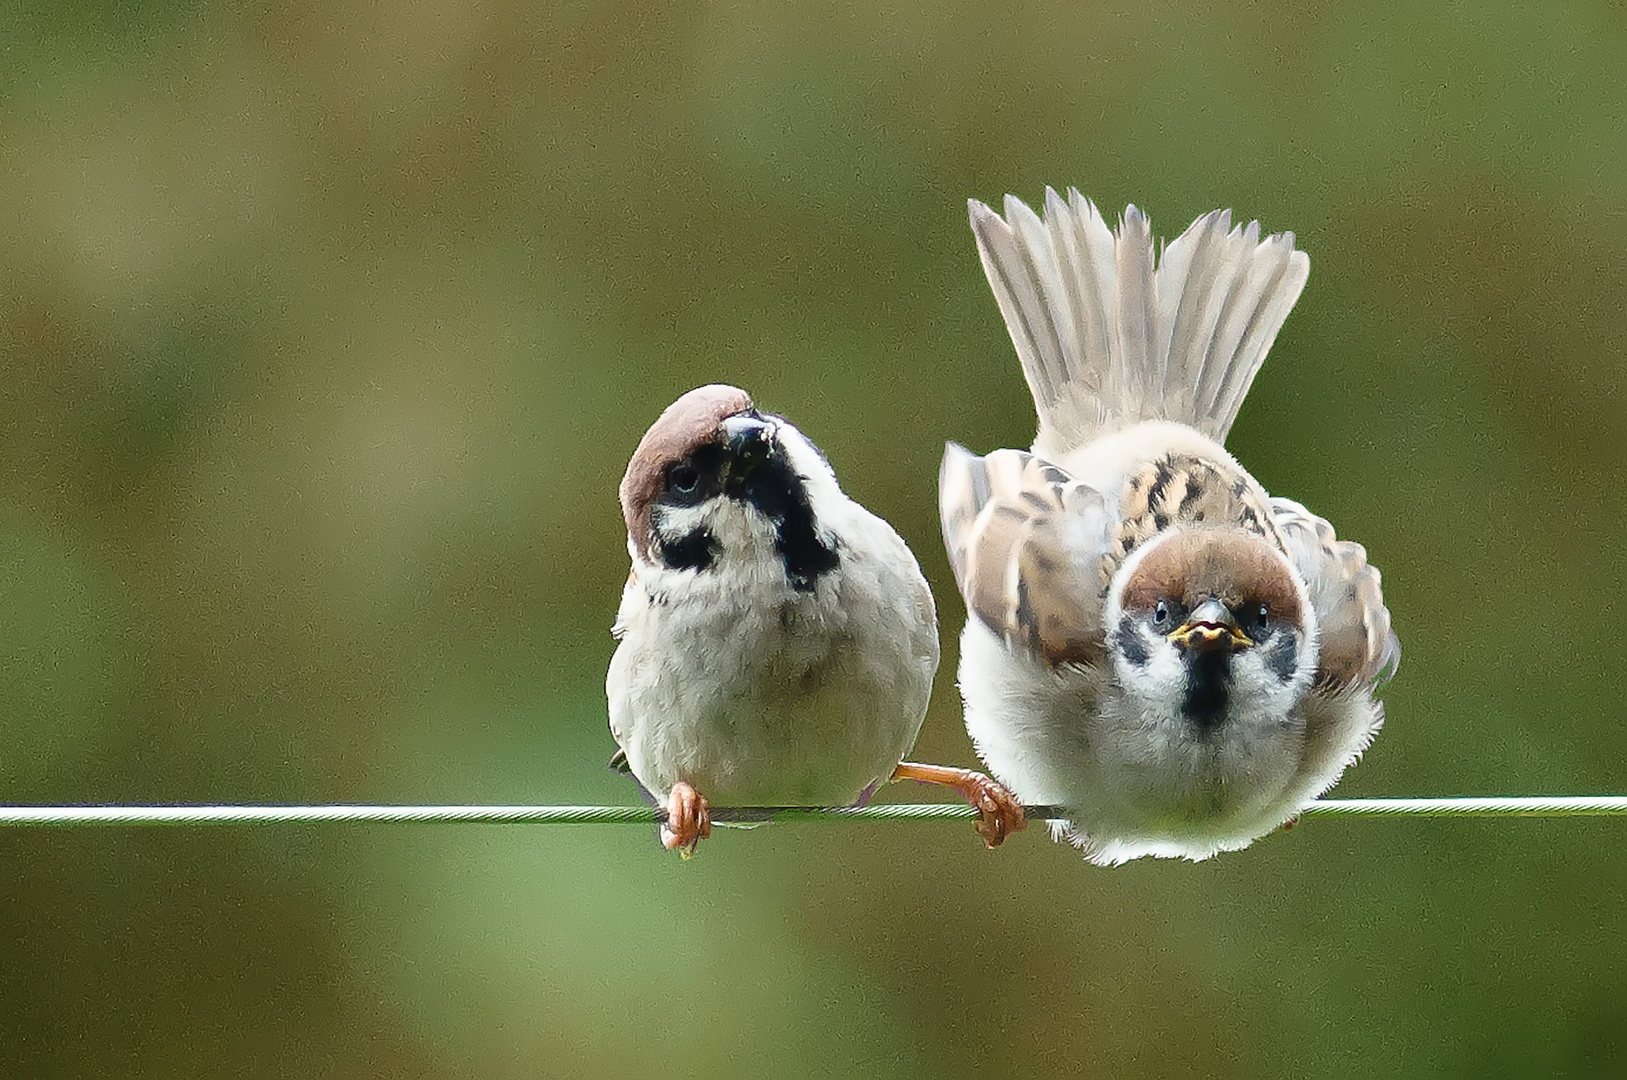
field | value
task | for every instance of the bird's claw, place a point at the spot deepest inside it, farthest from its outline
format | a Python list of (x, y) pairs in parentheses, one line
[(999, 814), (689, 820)]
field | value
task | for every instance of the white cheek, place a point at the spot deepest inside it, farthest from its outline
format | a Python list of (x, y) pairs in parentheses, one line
[(744, 541), (807, 463), (735, 526), (1253, 681), (1160, 683), (831, 508), (683, 520), (1260, 691)]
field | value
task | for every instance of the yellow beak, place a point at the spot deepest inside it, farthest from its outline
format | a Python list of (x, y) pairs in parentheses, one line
[(1211, 627)]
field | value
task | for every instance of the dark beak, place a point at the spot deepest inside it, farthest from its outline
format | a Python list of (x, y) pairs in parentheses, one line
[(1211, 627), (748, 440)]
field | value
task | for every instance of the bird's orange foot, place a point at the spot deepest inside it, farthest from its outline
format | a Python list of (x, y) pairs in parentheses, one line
[(999, 814), (689, 820)]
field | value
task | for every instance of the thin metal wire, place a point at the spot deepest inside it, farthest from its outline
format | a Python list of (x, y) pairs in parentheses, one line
[(1495, 806), (1525, 806)]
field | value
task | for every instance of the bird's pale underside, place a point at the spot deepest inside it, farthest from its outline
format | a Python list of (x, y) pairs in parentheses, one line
[(777, 640), (1153, 641)]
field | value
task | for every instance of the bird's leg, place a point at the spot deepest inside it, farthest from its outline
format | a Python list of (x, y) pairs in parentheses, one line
[(689, 820), (999, 814)]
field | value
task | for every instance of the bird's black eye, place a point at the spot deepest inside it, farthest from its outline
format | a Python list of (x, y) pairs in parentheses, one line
[(683, 480), (1259, 616), (1162, 616)]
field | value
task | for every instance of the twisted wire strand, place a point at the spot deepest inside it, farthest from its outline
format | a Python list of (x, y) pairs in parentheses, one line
[(1493, 807)]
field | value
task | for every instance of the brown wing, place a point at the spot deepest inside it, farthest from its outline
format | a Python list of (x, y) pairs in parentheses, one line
[(1347, 594), (1026, 542)]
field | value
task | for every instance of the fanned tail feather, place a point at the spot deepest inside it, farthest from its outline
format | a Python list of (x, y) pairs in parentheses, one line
[(1109, 336)]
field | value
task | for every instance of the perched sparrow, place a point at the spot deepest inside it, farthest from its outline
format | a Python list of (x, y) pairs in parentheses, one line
[(1153, 643), (777, 640)]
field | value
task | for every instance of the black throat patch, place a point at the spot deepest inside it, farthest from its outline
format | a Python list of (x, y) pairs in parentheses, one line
[(1208, 688), (781, 495)]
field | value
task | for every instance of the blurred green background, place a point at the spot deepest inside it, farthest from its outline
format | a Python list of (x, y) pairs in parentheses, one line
[(328, 329)]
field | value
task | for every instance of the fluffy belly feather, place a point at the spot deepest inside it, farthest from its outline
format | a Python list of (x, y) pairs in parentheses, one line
[(811, 723), (1133, 788)]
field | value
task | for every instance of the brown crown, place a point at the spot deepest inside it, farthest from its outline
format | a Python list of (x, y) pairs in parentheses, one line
[(686, 425), (1230, 565)]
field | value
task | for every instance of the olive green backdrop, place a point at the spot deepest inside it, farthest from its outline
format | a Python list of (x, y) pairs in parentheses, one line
[(327, 331)]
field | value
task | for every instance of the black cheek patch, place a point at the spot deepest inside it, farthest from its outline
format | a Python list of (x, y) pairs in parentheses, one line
[(1130, 644), (1281, 654), (696, 550)]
